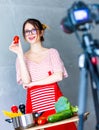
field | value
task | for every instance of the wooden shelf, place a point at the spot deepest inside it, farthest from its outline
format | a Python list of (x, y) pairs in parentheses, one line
[(72, 119)]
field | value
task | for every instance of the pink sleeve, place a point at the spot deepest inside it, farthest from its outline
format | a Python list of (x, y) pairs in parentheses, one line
[(18, 75), (57, 62)]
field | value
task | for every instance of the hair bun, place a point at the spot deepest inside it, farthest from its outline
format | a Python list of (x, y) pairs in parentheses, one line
[(45, 26)]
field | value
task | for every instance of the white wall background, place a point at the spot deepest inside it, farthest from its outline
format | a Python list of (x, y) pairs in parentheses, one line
[(13, 13)]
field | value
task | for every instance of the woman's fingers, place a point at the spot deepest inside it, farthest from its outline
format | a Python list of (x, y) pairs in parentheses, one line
[(16, 48), (25, 87)]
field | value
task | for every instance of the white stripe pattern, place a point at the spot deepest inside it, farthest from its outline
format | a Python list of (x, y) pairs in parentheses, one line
[(43, 99)]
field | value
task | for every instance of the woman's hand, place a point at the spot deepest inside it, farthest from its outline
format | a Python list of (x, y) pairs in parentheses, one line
[(16, 48), (29, 85), (25, 87)]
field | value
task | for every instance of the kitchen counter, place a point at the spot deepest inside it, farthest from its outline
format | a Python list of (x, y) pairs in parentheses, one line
[(72, 119)]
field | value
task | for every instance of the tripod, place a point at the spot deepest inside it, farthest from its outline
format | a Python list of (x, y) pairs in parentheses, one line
[(88, 67)]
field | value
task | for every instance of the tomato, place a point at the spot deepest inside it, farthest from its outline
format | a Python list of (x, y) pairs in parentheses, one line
[(42, 120), (16, 39), (14, 109)]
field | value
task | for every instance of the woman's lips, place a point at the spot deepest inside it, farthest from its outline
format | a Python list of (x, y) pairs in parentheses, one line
[(31, 38)]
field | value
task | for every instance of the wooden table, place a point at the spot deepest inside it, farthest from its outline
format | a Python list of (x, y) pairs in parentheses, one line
[(72, 119)]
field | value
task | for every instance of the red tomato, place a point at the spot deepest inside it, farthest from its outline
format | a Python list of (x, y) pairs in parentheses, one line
[(14, 109), (16, 39), (42, 120)]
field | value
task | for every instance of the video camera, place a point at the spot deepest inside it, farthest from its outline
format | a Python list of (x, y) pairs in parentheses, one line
[(79, 15)]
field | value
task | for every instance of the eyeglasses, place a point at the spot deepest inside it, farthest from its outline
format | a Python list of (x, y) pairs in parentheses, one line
[(32, 31)]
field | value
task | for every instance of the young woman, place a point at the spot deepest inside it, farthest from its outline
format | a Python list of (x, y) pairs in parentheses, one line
[(38, 70)]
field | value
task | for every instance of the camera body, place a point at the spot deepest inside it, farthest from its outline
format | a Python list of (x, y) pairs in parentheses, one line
[(79, 15)]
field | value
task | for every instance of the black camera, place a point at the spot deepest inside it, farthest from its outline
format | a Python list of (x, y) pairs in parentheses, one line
[(79, 15)]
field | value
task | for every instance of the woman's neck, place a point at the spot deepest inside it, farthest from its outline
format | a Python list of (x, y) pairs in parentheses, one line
[(37, 47)]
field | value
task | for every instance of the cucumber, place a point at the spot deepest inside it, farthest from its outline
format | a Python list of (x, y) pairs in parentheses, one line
[(60, 116)]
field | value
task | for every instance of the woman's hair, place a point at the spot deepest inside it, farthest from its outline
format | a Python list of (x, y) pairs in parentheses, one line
[(36, 23)]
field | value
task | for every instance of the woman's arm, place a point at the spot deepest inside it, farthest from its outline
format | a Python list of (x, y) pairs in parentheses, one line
[(24, 74), (17, 49), (55, 77)]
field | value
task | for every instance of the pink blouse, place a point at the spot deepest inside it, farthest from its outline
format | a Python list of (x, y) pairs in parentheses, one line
[(52, 62)]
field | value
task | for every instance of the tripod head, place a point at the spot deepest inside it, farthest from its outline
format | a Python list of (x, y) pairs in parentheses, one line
[(90, 45)]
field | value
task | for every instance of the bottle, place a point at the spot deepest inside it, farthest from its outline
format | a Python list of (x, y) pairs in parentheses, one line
[(22, 108)]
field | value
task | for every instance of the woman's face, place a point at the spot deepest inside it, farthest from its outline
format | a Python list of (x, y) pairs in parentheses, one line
[(32, 34)]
